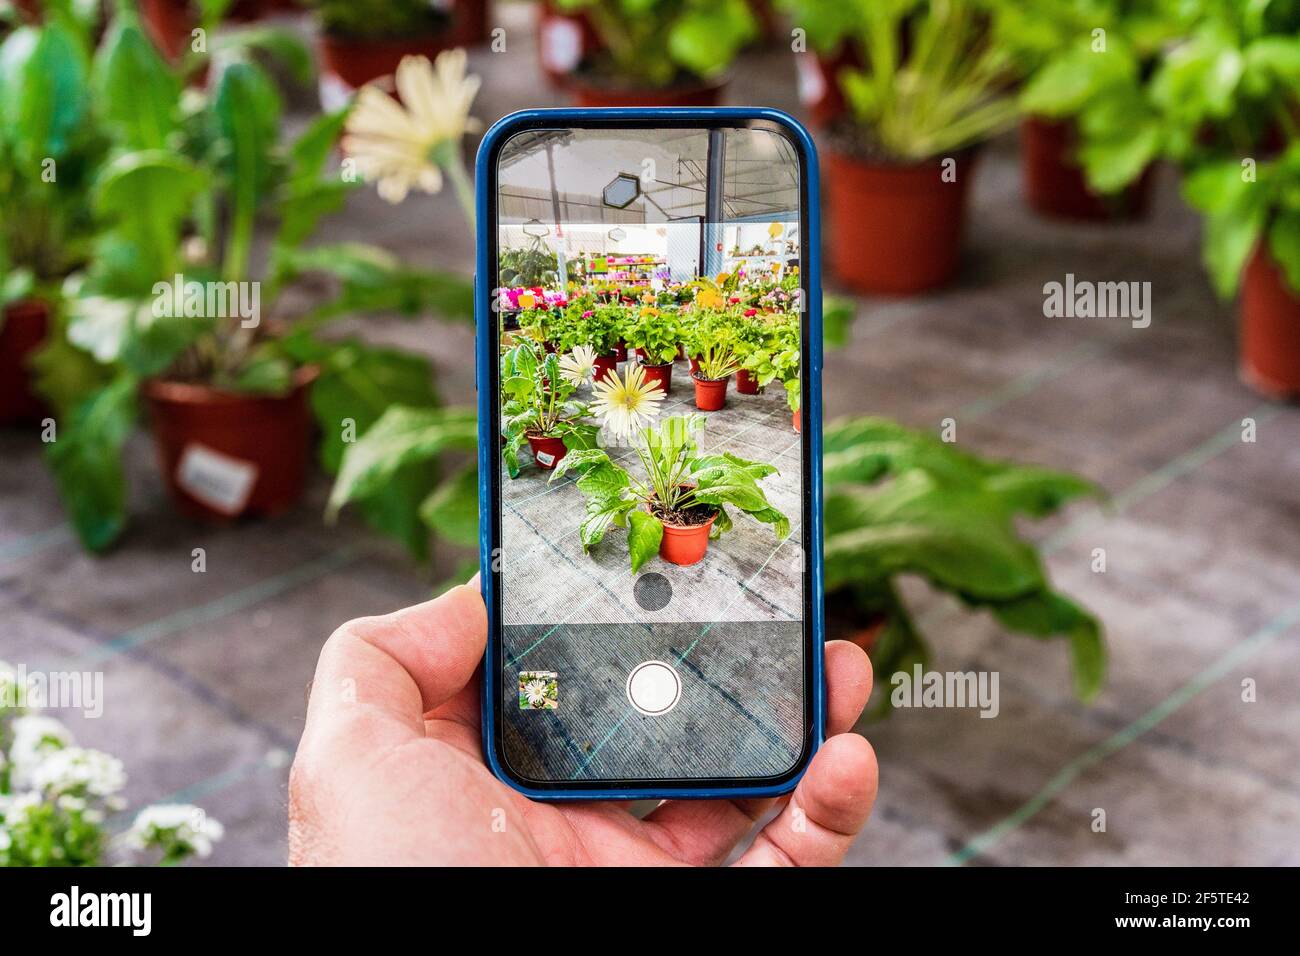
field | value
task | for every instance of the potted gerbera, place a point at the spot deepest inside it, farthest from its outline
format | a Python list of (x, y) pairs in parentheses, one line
[(899, 164), (681, 501), (1090, 136), (537, 404), (173, 311), (656, 335), (670, 53)]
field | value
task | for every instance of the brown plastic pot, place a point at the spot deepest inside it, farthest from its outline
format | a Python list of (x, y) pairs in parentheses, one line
[(1270, 329), (746, 384), (710, 393), (895, 229), (587, 94), (22, 331), (606, 365), (1055, 183), (358, 62), (685, 545), (663, 374), (547, 451), (265, 436)]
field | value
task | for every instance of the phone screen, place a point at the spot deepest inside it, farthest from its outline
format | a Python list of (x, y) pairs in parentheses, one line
[(650, 482)]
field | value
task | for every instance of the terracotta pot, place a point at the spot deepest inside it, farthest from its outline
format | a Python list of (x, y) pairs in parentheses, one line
[(22, 331), (663, 374), (224, 454), (1055, 184), (547, 451), (1270, 329), (685, 545), (746, 384), (356, 62), (710, 394), (564, 40), (895, 229), (168, 23), (606, 365), (589, 93), (797, 420)]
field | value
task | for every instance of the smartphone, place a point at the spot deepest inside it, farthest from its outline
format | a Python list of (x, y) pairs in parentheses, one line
[(649, 374)]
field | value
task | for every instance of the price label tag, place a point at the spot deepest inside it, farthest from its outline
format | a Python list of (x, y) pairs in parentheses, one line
[(220, 481)]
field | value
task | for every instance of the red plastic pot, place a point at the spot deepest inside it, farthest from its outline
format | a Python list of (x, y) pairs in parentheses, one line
[(471, 25), (895, 229), (547, 451), (746, 384), (797, 422), (168, 23), (710, 394), (1270, 329), (606, 365), (588, 93), (225, 455), (695, 363), (685, 545), (1055, 184), (620, 352), (357, 62), (663, 374), (22, 331)]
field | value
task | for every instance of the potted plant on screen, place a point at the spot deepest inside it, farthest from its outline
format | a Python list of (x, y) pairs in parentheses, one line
[(1091, 135), (1236, 132), (680, 503), (171, 308), (656, 335), (713, 348), (670, 53), (932, 87), (51, 149), (537, 404), (899, 502)]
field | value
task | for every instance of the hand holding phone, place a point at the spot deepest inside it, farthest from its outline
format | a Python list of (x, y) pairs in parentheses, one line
[(649, 370)]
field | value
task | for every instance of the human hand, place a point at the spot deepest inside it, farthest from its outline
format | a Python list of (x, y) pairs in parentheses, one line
[(390, 769)]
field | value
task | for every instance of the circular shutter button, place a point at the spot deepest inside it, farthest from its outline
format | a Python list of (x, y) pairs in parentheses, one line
[(653, 688)]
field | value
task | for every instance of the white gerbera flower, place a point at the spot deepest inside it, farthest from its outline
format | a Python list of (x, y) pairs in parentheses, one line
[(535, 691), (626, 405), (402, 145), (577, 366)]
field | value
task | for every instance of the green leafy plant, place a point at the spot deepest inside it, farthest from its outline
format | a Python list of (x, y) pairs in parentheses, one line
[(680, 486), (380, 19), (185, 183), (777, 357), (933, 80), (903, 503), (657, 332), (537, 401), (715, 347), (1091, 62), (530, 265), (655, 43)]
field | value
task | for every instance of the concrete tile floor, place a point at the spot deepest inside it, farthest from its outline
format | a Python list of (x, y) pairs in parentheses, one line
[(206, 673)]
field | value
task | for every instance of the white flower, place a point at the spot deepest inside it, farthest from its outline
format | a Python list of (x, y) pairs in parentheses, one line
[(180, 823), (6, 841), (535, 691), (577, 367), (77, 770), (398, 144), (35, 737), (625, 405)]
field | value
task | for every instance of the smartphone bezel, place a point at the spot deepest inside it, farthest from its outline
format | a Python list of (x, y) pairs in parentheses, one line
[(486, 376)]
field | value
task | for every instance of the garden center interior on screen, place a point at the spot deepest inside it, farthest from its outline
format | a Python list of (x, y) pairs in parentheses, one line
[(652, 517)]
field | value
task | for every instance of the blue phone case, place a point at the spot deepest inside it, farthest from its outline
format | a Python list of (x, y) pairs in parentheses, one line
[(486, 355)]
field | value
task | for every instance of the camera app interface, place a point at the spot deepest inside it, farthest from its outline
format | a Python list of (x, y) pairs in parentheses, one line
[(652, 515)]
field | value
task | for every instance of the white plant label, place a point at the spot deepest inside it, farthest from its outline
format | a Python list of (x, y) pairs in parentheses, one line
[(812, 83), (545, 459), (335, 93), (220, 481)]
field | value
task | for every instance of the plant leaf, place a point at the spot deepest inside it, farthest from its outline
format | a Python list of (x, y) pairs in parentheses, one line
[(644, 533)]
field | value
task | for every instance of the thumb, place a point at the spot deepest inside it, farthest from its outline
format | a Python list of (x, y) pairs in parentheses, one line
[(378, 676)]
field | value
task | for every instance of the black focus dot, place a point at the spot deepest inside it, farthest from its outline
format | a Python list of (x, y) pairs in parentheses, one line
[(652, 591)]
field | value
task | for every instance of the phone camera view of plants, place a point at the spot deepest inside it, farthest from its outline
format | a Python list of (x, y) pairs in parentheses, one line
[(649, 308)]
